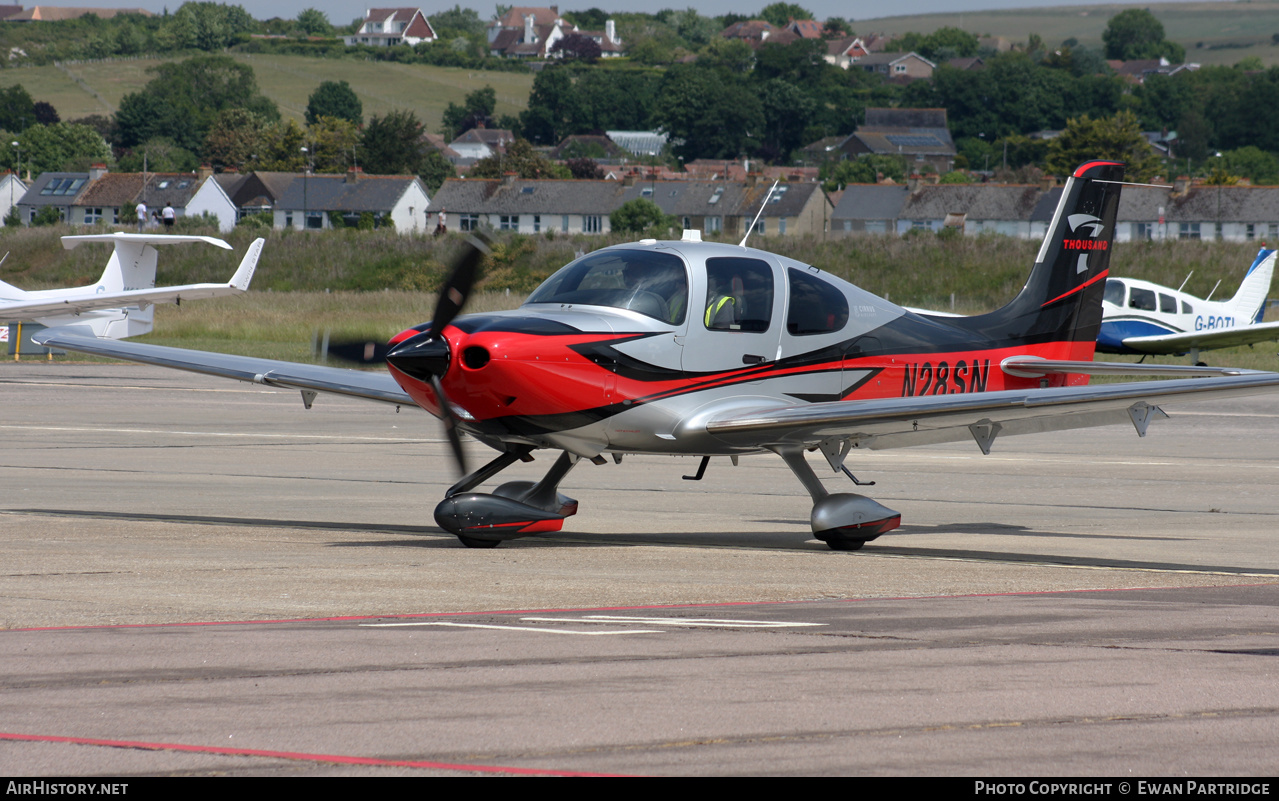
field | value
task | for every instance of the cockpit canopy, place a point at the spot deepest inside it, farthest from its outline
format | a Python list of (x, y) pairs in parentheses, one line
[(649, 282)]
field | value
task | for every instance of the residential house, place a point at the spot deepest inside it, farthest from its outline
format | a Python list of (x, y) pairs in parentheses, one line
[(1135, 71), (385, 27), (528, 32), (57, 189), (528, 206), (480, 143), (922, 134), (105, 197), (1236, 213), (61, 13), (12, 188), (190, 195), (806, 28), (757, 32), (256, 192), (976, 208), (868, 209), (900, 67), (845, 52), (314, 201), (573, 207)]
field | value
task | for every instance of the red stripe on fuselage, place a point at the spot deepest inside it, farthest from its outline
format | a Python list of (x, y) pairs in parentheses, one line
[(1092, 280), (535, 376)]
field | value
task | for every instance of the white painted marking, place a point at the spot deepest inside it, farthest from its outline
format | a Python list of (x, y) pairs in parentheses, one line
[(550, 631), (705, 622)]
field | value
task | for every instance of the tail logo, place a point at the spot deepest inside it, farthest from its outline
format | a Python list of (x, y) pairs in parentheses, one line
[(1093, 227)]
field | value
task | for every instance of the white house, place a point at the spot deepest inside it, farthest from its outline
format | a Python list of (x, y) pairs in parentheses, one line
[(384, 27)]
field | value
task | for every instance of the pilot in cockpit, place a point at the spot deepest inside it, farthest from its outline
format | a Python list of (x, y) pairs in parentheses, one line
[(666, 282)]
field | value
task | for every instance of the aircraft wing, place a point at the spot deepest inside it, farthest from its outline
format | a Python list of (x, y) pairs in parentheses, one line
[(44, 307), (1205, 340), (903, 422), (308, 378)]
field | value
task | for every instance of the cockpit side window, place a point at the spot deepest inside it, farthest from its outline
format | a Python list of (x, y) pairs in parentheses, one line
[(816, 307), (1114, 292), (652, 283), (1167, 304), (739, 295), (1143, 299)]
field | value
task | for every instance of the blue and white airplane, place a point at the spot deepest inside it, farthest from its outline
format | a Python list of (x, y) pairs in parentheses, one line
[(1145, 318)]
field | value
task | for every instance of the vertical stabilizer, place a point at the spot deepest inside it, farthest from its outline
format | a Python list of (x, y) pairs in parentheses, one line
[(1249, 303), (131, 266), (1061, 301)]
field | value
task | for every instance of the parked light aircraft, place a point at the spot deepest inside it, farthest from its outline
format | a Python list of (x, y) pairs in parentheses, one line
[(1141, 317), (121, 303), (717, 350)]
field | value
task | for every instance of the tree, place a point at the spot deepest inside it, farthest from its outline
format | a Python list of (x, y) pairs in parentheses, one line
[(477, 109), (61, 147), (314, 22), (234, 139), (576, 47), (332, 143), (159, 155), (1118, 138), (45, 113), (280, 148), (334, 99), (17, 109), (521, 159), (391, 145), (639, 215), (185, 97), (584, 169), (781, 13), (1136, 34)]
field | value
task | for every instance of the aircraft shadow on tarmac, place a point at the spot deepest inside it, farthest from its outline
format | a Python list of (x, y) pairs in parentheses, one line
[(782, 539)]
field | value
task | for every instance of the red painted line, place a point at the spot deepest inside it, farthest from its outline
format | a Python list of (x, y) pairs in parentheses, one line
[(1083, 168), (1092, 280), (334, 759), (579, 609)]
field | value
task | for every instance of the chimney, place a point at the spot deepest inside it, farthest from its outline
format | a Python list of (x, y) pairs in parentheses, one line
[(353, 175), (752, 179), (1046, 183), (96, 171), (912, 183), (508, 178), (529, 38), (206, 171), (610, 31), (1181, 185), (628, 179)]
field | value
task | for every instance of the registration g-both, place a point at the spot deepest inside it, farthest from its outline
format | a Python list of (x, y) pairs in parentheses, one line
[(717, 350)]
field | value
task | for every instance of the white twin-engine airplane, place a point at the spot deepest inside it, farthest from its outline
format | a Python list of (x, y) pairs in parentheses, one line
[(121, 303), (1146, 318)]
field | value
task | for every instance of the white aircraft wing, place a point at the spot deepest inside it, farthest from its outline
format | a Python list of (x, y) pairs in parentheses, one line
[(902, 422), (1205, 340), (26, 309), (308, 378)]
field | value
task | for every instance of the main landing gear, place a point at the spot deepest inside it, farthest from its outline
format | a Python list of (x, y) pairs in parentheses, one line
[(515, 509), (844, 521)]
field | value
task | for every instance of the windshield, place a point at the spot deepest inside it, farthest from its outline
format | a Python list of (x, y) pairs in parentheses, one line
[(653, 284)]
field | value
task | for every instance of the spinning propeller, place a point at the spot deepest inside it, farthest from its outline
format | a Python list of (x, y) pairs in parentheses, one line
[(426, 356)]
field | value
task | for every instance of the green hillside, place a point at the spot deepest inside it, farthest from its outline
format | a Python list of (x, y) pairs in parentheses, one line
[(77, 90), (1212, 33)]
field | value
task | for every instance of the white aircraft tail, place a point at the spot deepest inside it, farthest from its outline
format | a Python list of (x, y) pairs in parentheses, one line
[(1250, 301), (132, 263), (11, 292), (244, 273)]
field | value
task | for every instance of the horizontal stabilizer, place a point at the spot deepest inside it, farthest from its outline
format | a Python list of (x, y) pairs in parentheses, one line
[(119, 237)]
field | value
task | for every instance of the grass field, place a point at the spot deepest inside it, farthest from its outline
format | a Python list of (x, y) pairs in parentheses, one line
[(77, 90), (1227, 31)]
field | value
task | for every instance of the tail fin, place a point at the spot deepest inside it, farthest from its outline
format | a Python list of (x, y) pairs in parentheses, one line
[(244, 273), (1062, 298), (1250, 301), (11, 292)]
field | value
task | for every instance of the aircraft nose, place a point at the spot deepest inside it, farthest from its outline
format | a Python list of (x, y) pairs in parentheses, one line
[(421, 357)]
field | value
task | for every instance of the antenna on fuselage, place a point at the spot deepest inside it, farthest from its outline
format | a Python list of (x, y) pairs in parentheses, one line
[(742, 244), (1183, 283), (1214, 289)]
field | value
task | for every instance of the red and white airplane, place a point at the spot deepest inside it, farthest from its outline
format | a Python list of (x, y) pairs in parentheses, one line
[(718, 350)]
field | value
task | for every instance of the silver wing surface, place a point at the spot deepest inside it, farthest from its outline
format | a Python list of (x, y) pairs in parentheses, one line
[(903, 422), (307, 378), (1205, 340)]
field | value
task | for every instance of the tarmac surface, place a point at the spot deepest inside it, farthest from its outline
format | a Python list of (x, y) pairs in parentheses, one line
[(203, 578)]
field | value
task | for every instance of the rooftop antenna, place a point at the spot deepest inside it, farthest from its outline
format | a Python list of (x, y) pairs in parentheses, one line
[(742, 244)]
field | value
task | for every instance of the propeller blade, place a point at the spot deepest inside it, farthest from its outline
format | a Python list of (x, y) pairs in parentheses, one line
[(358, 351), (457, 289), (450, 424)]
